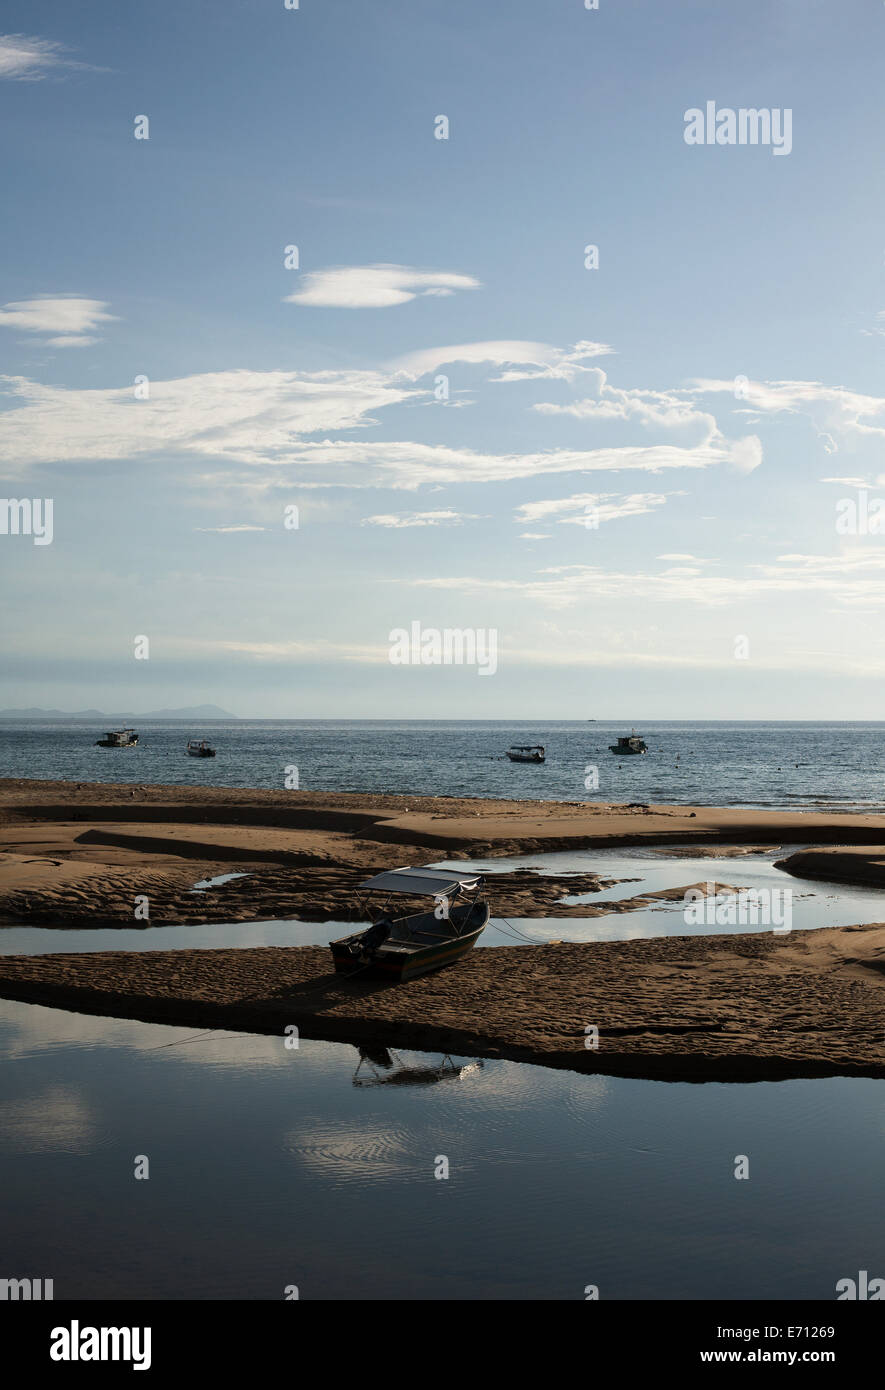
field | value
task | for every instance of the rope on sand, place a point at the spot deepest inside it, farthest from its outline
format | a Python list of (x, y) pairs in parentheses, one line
[(521, 936)]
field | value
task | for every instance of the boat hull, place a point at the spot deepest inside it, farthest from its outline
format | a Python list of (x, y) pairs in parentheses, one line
[(402, 960)]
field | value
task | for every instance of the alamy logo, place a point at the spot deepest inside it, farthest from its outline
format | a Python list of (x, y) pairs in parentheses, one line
[(860, 516), (453, 646), (863, 1288), (13, 1290), (748, 907), (27, 517), (746, 126), (76, 1343)]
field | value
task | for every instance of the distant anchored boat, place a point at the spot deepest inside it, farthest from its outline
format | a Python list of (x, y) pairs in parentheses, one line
[(199, 748), (399, 948), (629, 744), (118, 738), (526, 753)]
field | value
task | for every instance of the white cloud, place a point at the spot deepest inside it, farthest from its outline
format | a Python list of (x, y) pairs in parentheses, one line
[(69, 318), (28, 59), (375, 286), (263, 419), (409, 465), (403, 520), (850, 580), (544, 360), (603, 506), (833, 410), (660, 409), (535, 536), (249, 417), (854, 482), (309, 650)]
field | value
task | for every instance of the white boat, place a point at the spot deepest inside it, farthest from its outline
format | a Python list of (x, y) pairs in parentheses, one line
[(118, 738), (526, 753)]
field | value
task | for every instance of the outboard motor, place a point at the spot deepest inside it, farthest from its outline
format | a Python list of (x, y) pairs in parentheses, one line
[(376, 936)]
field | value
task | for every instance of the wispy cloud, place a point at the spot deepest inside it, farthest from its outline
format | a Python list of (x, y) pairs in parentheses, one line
[(242, 416), (228, 530), (833, 410), (600, 506), (63, 320), (399, 521), (375, 286), (263, 419), (540, 360), (662, 409), (850, 580), (25, 59)]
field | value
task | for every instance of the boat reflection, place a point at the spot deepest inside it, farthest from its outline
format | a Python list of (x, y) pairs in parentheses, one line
[(381, 1066)]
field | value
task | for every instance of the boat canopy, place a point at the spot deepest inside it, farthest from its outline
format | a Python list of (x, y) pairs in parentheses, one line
[(430, 881)]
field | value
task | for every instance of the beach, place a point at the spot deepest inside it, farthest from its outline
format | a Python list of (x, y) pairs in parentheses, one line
[(688, 1006), (72, 854)]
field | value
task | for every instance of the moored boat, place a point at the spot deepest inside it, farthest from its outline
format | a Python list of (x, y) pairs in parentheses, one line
[(400, 948), (199, 748), (631, 743), (118, 738), (526, 753)]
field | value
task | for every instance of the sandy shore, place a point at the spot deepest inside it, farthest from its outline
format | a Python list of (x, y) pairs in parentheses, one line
[(79, 854), (839, 864), (753, 1006), (711, 1008)]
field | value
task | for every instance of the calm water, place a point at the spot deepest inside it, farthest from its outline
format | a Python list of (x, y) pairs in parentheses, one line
[(839, 766), (270, 1168), (313, 1167)]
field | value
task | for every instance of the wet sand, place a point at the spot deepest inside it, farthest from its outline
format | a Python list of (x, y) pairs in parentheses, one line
[(838, 864), (710, 1008), (80, 854)]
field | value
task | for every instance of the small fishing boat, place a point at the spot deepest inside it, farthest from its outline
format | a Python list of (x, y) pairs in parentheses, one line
[(118, 738), (199, 748), (629, 744), (526, 753), (399, 948)]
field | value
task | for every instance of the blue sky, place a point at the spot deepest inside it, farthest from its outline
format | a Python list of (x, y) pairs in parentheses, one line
[(574, 394)]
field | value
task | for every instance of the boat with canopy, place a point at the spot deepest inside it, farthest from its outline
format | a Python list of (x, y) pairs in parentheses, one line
[(401, 947)]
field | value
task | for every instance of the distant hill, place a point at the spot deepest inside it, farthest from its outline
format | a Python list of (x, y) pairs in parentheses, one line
[(186, 712)]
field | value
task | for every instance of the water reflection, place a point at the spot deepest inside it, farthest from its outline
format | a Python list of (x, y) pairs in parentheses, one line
[(384, 1067), (269, 1167)]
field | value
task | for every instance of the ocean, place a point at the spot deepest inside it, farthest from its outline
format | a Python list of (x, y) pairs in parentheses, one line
[(829, 766)]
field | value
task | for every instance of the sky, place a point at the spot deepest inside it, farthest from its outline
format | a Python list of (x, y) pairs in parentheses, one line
[(649, 473)]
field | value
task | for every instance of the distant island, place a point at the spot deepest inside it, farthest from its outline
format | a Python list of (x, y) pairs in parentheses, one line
[(186, 712)]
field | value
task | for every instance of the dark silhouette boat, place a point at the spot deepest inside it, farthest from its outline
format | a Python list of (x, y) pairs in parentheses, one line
[(199, 748), (632, 743), (526, 753), (399, 948), (118, 738)]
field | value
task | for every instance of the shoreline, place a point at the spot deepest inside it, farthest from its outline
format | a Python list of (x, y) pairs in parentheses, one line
[(751, 1006), (748, 1007), (75, 854)]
